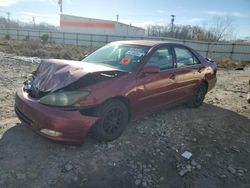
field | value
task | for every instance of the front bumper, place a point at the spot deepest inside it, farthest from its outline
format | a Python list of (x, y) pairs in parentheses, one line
[(211, 83), (72, 124)]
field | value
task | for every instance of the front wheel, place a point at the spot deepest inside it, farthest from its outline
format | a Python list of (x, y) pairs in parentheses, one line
[(113, 118), (199, 96)]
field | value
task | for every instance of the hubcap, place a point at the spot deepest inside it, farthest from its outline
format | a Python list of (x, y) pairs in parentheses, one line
[(112, 120), (200, 95)]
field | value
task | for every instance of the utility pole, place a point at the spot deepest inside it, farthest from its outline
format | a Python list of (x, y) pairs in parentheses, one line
[(8, 24), (8, 14), (172, 23), (34, 21), (60, 3), (117, 17)]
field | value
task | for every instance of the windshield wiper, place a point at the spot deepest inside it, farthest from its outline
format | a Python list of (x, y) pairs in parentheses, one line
[(108, 75)]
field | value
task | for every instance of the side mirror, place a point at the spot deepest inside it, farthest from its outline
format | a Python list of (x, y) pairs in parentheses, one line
[(151, 69), (210, 60)]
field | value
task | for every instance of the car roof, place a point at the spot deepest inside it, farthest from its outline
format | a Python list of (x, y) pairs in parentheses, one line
[(149, 43)]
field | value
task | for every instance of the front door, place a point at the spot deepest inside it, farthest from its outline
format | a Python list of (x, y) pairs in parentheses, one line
[(157, 89)]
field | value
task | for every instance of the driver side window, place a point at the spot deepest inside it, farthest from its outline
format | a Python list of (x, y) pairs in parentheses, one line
[(184, 57), (161, 58)]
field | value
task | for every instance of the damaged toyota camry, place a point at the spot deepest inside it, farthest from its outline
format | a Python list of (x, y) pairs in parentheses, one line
[(64, 100)]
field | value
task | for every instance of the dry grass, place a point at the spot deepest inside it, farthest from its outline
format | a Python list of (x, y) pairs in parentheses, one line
[(34, 48), (231, 64)]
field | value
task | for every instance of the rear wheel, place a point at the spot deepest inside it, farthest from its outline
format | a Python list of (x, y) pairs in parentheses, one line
[(199, 96), (113, 118)]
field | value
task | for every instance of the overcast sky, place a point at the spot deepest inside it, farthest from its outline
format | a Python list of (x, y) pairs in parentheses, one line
[(135, 12)]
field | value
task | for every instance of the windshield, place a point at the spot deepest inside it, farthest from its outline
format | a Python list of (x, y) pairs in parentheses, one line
[(121, 57)]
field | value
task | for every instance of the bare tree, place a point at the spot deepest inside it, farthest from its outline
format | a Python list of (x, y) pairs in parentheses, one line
[(221, 27), (155, 30), (4, 23), (218, 29)]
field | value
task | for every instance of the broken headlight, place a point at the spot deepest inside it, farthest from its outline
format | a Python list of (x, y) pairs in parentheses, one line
[(67, 98)]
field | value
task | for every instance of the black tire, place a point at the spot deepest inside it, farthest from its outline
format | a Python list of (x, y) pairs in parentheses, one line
[(199, 96), (113, 118)]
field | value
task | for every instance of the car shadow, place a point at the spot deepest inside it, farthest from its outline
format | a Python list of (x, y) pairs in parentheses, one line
[(28, 160)]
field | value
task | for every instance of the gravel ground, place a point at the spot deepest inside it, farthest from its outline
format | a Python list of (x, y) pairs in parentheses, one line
[(148, 154)]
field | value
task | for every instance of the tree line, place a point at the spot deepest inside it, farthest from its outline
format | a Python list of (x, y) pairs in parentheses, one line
[(5, 23), (220, 29)]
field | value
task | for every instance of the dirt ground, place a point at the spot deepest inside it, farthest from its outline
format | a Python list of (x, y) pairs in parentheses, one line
[(148, 154)]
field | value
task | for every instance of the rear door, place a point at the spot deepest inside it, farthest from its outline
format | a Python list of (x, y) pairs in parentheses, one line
[(188, 74)]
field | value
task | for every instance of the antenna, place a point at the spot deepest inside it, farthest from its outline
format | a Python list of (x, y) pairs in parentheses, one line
[(117, 17)]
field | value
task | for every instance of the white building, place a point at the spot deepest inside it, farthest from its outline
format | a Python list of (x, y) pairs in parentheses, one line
[(76, 24)]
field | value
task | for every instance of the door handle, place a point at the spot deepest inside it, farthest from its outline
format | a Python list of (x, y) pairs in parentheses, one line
[(199, 70), (172, 77)]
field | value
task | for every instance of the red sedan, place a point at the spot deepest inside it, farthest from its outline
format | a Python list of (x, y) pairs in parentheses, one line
[(64, 100)]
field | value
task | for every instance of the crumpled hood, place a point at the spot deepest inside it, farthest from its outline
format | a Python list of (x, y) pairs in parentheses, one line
[(53, 74)]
